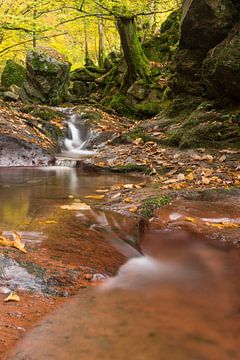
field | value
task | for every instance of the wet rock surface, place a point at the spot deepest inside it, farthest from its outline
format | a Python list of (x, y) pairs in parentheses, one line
[(25, 139)]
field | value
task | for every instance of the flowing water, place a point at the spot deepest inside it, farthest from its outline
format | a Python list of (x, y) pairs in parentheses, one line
[(177, 298), (74, 145), (171, 293)]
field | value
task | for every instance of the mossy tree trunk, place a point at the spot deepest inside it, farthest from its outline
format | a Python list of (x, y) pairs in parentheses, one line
[(135, 58)]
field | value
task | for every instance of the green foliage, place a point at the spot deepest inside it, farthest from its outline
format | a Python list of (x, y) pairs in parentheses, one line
[(153, 203)]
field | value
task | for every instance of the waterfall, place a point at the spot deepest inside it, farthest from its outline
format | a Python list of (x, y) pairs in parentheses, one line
[(75, 143)]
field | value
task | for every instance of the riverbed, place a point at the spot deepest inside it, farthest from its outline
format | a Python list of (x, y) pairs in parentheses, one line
[(171, 293)]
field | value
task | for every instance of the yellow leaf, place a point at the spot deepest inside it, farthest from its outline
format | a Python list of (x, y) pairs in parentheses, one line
[(189, 176), (17, 242), (95, 197), (12, 297), (128, 200), (133, 209), (51, 222), (190, 219), (76, 206), (128, 186), (205, 181)]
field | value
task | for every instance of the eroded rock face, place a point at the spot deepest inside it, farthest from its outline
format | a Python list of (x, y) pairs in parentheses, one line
[(221, 68), (47, 78), (205, 23)]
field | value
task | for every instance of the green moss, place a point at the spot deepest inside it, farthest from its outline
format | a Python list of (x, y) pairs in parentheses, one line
[(132, 168), (118, 103), (148, 108), (153, 203), (163, 47), (13, 74)]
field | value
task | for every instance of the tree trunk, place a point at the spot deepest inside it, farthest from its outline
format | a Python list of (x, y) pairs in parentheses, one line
[(34, 31), (101, 51), (135, 58), (87, 58)]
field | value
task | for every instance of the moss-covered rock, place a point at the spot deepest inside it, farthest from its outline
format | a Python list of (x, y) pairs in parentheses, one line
[(163, 46), (13, 74), (205, 23), (207, 127), (221, 68), (151, 204), (47, 79), (85, 74)]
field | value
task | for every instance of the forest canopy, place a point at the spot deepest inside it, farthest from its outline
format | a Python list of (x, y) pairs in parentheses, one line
[(76, 28)]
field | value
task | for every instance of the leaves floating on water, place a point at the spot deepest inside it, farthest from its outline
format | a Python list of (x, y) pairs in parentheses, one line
[(12, 297), (16, 243), (50, 222), (76, 206), (95, 197)]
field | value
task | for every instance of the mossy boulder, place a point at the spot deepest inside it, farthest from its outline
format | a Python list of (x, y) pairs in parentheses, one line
[(139, 90), (205, 127), (47, 78), (13, 74), (86, 74), (163, 46), (221, 68)]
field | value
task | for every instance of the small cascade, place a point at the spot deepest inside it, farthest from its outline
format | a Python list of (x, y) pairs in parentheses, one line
[(74, 145)]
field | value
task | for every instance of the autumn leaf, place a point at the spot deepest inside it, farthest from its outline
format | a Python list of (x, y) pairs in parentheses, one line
[(76, 206), (12, 297), (133, 209), (128, 200), (95, 197), (17, 242)]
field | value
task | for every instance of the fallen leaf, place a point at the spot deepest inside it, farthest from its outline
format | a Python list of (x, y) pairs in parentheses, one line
[(133, 209), (76, 206), (116, 196), (190, 176), (128, 186), (102, 191), (128, 200), (95, 197), (12, 297), (190, 219), (223, 158), (181, 177), (51, 222), (205, 180), (17, 242)]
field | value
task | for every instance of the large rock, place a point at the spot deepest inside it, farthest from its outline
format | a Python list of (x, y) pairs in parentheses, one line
[(221, 68), (48, 76), (205, 23), (13, 74)]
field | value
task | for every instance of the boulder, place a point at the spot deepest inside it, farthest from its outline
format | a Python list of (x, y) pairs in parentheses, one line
[(47, 78), (221, 68), (10, 96), (138, 90), (205, 23), (13, 74), (86, 74)]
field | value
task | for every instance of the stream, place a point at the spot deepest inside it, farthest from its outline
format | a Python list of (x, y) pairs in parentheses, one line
[(170, 295)]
